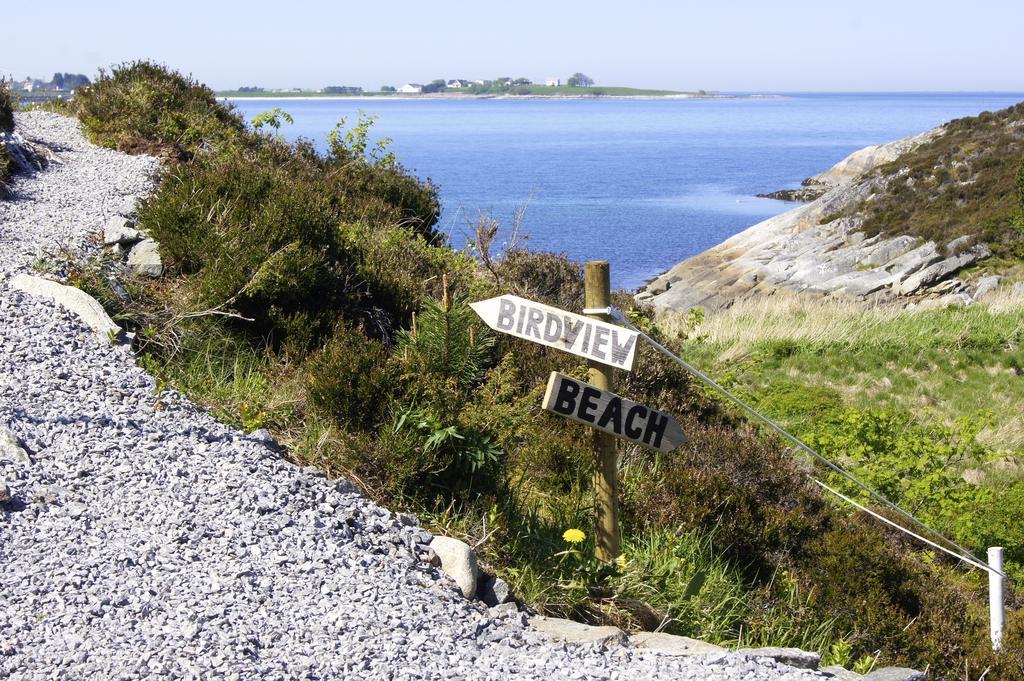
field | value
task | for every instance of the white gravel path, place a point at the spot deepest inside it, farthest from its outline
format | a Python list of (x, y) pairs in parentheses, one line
[(146, 540)]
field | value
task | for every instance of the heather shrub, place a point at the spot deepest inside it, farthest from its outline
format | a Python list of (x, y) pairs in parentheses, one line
[(144, 107), (6, 108), (351, 380)]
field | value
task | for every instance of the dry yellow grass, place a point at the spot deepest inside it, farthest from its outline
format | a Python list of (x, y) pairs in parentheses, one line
[(787, 316)]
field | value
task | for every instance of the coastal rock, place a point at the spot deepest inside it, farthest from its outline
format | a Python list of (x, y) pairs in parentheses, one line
[(985, 286), (458, 561), (75, 300), (841, 673), (144, 258), (819, 249), (942, 269)]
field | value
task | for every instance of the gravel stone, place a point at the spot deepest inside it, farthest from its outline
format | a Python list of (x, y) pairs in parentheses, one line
[(164, 544)]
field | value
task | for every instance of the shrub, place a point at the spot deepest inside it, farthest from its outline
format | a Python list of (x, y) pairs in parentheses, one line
[(145, 107), (257, 232), (959, 183), (6, 108), (351, 380)]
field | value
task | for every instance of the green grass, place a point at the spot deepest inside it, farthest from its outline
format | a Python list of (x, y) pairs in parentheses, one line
[(938, 365)]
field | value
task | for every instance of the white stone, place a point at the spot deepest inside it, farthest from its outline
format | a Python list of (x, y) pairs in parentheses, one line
[(75, 300), (11, 449), (459, 562), (119, 230), (144, 258)]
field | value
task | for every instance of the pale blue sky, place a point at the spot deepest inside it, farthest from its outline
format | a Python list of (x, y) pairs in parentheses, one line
[(722, 45)]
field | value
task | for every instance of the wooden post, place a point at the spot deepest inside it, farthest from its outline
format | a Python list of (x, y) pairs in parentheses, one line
[(597, 293)]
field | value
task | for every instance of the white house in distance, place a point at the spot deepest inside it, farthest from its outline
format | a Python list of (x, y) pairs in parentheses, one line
[(553, 82), (411, 89), (458, 83)]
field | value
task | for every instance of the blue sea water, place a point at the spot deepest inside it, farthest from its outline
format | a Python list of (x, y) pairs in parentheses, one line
[(641, 183)]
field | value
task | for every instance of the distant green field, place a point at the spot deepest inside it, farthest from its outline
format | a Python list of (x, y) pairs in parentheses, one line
[(524, 90)]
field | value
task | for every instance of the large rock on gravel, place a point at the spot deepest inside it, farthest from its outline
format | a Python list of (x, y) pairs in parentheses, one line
[(11, 449), (120, 230), (794, 657), (567, 631), (669, 644), (75, 300), (459, 562), (841, 673), (144, 258), (895, 674)]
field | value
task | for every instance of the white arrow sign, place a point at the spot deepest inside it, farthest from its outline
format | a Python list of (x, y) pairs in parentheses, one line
[(590, 338), (583, 403)]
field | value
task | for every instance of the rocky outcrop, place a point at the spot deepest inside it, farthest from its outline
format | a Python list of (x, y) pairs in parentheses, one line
[(818, 249), (852, 167)]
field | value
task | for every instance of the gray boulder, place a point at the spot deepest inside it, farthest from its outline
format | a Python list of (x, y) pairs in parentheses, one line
[(144, 258), (75, 300), (895, 674), (841, 673), (942, 269), (11, 449), (669, 644), (567, 631), (457, 561), (493, 591), (794, 657), (985, 286)]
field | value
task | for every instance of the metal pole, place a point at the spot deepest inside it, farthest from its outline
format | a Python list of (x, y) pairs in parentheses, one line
[(996, 603), (597, 293)]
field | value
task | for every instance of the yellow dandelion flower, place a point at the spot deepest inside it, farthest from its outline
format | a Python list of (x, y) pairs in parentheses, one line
[(621, 562), (573, 536)]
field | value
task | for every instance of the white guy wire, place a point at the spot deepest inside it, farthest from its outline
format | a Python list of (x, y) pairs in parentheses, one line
[(885, 520), (963, 554)]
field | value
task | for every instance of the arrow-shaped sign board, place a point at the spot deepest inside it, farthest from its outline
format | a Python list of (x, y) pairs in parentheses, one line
[(590, 338), (583, 403)]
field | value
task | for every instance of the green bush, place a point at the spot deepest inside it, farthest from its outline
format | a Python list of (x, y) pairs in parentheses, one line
[(6, 108), (257, 232), (960, 183), (351, 380), (143, 107)]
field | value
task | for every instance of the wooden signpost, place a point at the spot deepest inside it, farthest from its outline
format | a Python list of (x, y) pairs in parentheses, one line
[(593, 339), (607, 346), (632, 421)]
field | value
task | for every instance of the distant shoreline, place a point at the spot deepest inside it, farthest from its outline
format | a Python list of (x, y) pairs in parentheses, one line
[(462, 97)]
